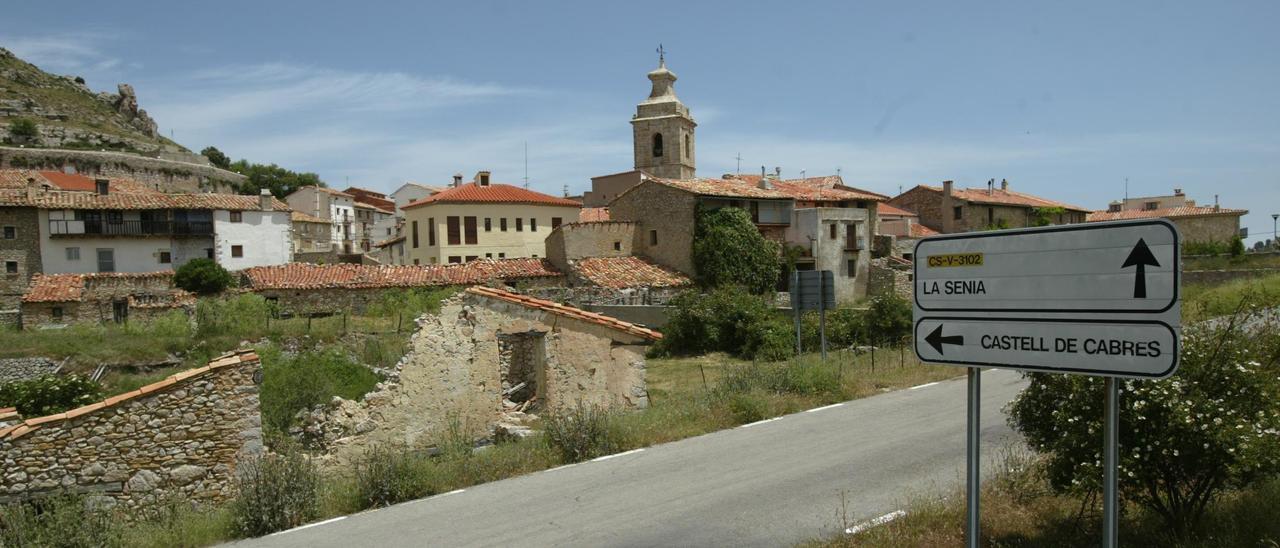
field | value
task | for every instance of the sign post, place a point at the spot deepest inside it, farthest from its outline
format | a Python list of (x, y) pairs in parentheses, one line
[(1098, 299), (813, 290)]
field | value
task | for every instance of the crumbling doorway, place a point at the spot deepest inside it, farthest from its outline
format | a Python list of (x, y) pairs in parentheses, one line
[(522, 363)]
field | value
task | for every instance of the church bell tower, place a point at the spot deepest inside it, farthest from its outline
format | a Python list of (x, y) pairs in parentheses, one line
[(662, 129)]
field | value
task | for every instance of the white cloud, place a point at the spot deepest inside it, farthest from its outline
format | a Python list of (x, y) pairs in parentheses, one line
[(64, 53)]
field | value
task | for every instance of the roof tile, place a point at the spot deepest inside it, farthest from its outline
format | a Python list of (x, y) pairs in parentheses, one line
[(593, 214), (1168, 212), (998, 196), (494, 193), (630, 271), (352, 276), (133, 201), (55, 288)]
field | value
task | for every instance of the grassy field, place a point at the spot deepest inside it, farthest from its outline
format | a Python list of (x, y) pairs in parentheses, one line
[(1227, 262), (1202, 302)]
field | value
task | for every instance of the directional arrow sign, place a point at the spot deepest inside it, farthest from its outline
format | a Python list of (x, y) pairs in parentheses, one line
[(1095, 298)]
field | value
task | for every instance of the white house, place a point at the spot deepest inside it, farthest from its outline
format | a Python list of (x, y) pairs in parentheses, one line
[(412, 192), (327, 203)]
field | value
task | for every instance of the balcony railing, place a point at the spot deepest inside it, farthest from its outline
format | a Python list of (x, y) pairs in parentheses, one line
[(130, 228)]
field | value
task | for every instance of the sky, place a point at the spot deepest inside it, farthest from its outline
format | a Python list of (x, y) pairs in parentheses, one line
[(1064, 100)]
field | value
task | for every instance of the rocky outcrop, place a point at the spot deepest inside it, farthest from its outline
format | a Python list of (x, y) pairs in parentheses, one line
[(126, 103)]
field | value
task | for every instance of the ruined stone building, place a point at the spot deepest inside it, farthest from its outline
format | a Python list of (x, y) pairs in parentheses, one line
[(492, 356), (65, 299), (179, 438)]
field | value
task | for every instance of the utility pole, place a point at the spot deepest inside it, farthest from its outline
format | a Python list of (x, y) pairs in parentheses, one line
[(1274, 241), (739, 158), (526, 165)]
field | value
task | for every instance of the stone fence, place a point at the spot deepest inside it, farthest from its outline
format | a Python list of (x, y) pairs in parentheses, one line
[(21, 369), (1214, 277), (181, 437)]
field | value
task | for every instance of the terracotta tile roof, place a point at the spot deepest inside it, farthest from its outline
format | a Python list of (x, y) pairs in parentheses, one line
[(364, 205), (9, 413), (825, 188), (593, 214), (133, 201), (61, 288), (494, 193), (1003, 197), (300, 217), (371, 198), (888, 210), (391, 241), (359, 192), (623, 272), (1168, 213), (328, 190), (353, 276), (920, 231), (565, 311), (17, 179), (727, 188), (233, 359)]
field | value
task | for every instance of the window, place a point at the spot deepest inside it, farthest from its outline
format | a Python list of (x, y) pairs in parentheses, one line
[(415, 261), (957, 213), (453, 229), (73, 253), (10, 232), (688, 148), (431, 231), (555, 222), (488, 224), (488, 255), (56, 313), (455, 259), (617, 246), (1149, 206), (208, 252), (414, 234), (469, 227), (519, 224), (502, 255), (653, 237), (533, 224), (101, 186), (11, 267), (107, 260), (853, 268), (237, 216), (833, 230), (657, 145), (166, 257), (237, 251), (472, 258), (851, 236), (502, 224), (1113, 207)]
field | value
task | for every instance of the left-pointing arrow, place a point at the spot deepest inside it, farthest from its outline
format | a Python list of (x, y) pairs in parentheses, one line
[(936, 340)]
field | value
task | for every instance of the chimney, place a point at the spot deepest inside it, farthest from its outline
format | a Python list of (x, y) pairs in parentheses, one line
[(991, 185), (103, 186), (1177, 192), (264, 200), (762, 172), (457, 180), (482, 178), (777, 172), (1215, 202), (1004, 184), (946, 188), (765, 184), (31, 188)]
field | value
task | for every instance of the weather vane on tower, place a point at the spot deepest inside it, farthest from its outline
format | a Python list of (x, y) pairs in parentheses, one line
[(661, 55)]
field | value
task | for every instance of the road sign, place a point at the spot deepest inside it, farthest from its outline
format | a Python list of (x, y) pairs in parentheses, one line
[(1098, 299), (813, 289)]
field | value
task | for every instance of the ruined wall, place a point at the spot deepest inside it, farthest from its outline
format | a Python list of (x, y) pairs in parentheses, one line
[(181, 437), (453, 372), (23, 249), (160, 174), (890, 279), (575, 241), (1208, 228)]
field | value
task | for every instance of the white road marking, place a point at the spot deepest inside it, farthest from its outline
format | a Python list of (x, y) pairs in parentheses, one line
[(926, 385), (875, 522), (750, 424), (607, 457), (816, 409), (562, 466), (309, 525)]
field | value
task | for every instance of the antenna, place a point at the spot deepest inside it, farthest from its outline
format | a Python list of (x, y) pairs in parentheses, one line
[(1126, 188), (739, 159), (566, 191), (838, 171), (526, 165)]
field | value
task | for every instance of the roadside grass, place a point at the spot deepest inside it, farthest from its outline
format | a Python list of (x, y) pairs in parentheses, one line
[(1019, 509), (1247, 261), (1203, 302)]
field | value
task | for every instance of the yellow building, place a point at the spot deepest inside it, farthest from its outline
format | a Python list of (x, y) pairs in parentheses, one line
[(479, 220)]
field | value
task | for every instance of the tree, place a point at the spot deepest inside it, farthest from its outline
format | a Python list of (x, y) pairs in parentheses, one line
[(728, 250), (216, 157), (23, 130), (202, 277), (1183, 440), (280, 181), (1043, 216), (1237, 246)]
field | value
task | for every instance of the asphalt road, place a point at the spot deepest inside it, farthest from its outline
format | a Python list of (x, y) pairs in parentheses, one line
[(767, 484)]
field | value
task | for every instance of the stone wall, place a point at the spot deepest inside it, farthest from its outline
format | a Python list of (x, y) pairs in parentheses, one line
[(1208, 228), (452, 373), (666, 211), (923, 202), (589, 295), (890, 278), (23, 249), (1215, 277), (21, 369), (161, 174), (574, 241), (182, 437), (148, 296), (883, 245)]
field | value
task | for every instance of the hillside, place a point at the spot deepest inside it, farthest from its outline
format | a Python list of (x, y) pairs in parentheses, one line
[(67, 114)]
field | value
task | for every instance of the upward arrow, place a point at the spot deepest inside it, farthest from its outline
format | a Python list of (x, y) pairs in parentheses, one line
[(1140, 257)]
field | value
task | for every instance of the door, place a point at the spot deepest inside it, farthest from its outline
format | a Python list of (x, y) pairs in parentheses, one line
[(120, 310)]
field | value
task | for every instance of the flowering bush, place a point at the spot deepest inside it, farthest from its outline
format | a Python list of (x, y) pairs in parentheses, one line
[(1213, 425)]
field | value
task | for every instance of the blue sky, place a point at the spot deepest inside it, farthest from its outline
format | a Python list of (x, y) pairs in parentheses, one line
[(1065, 100)]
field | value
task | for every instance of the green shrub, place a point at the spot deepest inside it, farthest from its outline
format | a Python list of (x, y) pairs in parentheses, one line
[(747, 407), (386, 476), (291, 383), (727, 319), (49, 394), (581, 432), (887, 321), (60, 520), (23, 129), (1210, 427), (728, 250), (276, 492), (1237, 246), (202, 277), (1205, 248), (770, 340)]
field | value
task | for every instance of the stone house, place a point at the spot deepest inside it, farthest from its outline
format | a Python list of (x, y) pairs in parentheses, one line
[(483, 220), (949, 210), (391, 251), (331, 205), (1197, 224), (65, 299), (600, 267), (303, 288), (492, 357), (311, 234), (373, 225), (179, 438)]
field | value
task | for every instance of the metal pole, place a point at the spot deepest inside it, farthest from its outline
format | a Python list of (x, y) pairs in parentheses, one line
[(795, 306), (822, 312), (973, 481), (1111, 461)]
